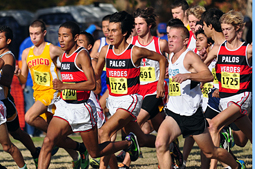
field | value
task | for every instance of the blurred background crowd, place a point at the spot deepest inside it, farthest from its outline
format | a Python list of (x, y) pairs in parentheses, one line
[(88, 14)]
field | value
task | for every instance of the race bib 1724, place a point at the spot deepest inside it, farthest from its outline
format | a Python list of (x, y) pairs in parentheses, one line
[(118, 85)]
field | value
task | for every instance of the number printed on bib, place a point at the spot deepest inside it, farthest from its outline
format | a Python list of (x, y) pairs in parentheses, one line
[(69, 94), (230, 80), (215, 80), (118, 85), (174, 88), (206, 89), (42, 78), (147, 74)]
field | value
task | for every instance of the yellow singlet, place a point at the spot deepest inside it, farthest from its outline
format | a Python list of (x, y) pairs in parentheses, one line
[(42, 69)]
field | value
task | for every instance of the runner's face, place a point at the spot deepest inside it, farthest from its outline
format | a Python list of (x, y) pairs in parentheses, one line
[(228, 31), (105, 26), (201, 42), (178, 13), (175, 40), (3, 41), (141, 26), (36, 35), (192, 22), (115, 33), (82, 41), (65, 39), (206, 29)]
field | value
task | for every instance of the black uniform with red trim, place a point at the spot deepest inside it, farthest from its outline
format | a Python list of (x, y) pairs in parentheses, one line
[(122, 75), (233, 70), (71, 73)]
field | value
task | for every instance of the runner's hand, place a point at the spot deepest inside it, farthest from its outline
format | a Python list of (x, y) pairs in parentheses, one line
[(17, 71), (160, 89), (203, 54), (216, 93), (180, 77), (57, 84)]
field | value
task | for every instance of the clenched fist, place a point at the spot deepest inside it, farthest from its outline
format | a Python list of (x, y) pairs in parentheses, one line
[(17, 71), (57, 84)]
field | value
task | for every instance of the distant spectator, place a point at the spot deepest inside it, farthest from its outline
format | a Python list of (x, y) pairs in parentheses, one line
[(161, 31), (92, 28)]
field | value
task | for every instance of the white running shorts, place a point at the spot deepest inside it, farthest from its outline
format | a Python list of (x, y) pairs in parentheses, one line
[(79, 116), (243, 100), (130, 103)]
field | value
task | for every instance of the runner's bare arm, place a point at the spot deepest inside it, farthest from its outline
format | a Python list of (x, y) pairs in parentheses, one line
[(56, 53), (94, 51), (212, 55), (101, 62), (1, 63), (23, 72), (139, 53), (249, 54), (98, 82), (199, 71), (7, 70), (164, 47)]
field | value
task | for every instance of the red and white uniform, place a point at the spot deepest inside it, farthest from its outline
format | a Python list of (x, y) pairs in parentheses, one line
[(149, 68), (192, 42)]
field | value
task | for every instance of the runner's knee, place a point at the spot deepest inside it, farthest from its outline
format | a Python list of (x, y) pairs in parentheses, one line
[(93, 154), (213, 127), (28, 119), (9, 148), (161, 146), (48, 142), (103, 134), (208, 155)]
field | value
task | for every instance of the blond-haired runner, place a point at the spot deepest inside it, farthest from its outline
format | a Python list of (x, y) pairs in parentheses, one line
[(184, 114), (234, 74)]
